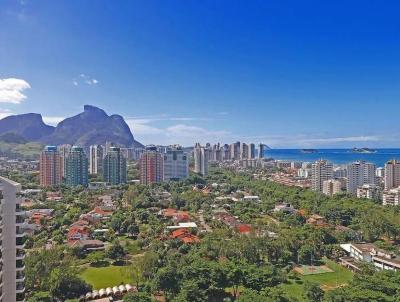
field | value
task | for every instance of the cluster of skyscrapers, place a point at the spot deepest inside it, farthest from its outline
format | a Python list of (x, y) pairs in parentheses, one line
[(70, 165), (359, 178), (159, 164), (219, 153)]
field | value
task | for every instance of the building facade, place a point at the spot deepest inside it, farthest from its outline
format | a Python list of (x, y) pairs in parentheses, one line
[(392, 174), (331, 187), (50, 167), (321, 170), (76, 168), (151, 166), (369, 191), (176, 164), (359, 173), (96, 155), (261, 150), (201, 159), (12, 222), (64, 152), (114, 167)]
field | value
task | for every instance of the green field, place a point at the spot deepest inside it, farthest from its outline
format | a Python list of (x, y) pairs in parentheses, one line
[(103, 277), (340, 276)]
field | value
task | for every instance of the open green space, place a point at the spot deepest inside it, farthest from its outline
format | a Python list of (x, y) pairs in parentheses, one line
[(339, 277), (103, 277)]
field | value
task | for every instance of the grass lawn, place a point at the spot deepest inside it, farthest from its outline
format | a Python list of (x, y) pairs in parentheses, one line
[(103, 277), (340, 276)]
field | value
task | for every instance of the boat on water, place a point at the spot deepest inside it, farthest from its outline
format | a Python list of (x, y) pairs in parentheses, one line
[(309, 151), (363, 150)]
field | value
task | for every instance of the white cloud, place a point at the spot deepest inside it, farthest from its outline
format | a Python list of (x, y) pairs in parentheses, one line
[(53, 120), (11, 90), (182, 134), (84, 79), (4, 113)]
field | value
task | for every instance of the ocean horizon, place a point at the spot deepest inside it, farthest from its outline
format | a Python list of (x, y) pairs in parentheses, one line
[(335, 155)]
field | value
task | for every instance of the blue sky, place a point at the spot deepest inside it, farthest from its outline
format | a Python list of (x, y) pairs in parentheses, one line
[(287, 73)]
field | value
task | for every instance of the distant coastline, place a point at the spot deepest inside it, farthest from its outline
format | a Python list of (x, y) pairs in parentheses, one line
[(379, 156)]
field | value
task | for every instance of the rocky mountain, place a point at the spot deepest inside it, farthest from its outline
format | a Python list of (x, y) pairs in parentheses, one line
[(92, 126), (30, 126)]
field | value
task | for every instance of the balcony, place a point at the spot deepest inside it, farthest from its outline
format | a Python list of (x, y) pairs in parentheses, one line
[(20, 288), (20, 255), (20, 242), (20, 276)]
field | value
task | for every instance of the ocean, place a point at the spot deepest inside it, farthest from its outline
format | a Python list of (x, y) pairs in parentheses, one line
[(336, 156)]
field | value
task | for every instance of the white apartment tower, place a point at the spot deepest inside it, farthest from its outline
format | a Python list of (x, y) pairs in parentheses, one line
[(12, 220), (392, 174), (96, 156), (201, 156), (359, 173), (321, 170), (176, 164)]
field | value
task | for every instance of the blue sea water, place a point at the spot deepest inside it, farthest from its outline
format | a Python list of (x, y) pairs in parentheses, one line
[(336, 156)]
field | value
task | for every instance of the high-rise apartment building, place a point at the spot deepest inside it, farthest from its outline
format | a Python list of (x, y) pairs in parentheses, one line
[(151, 166), (244, 151), (176, 164), (12, 243), (331, 187), (114, 167), (392, 174), (50, 167), (359, 173), (96, 155), (321, 170), (261, 150), (226, 154), (64, 151), (252, 151), (235, 151), (76, 168), (201, 156)]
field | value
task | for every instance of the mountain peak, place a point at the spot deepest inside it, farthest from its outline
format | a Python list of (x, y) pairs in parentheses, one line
[(94, 109), (91, 127)]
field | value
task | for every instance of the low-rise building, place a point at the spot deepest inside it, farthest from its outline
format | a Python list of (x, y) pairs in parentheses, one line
[(391, 197), (368, 191)]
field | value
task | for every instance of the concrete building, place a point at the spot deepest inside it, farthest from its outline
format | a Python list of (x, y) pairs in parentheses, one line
[(252, 151), (96, 155), (339, 172), (359, 173), (369, 191), (391, 197), (321, 170), (114, 167), (380, 172), (331, 187), (235, 151), (76, 168), (304, 173), (64, 151), (151, 166), (12, 254), (244, 151), (392, 174), (226, 154), (261, 150), (176, 164), (201, 160), (50, 167)]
